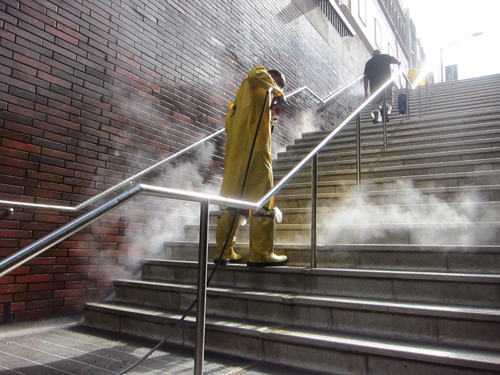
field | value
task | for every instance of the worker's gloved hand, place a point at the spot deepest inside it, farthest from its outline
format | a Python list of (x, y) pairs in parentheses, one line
[(280, 102), (366, 95)]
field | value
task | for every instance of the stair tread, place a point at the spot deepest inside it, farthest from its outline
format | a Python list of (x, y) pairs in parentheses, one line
[(388, 274), (400, 307), (477, 358), (284, 226), (490, 204), (487, 173), (393, 148), (398, 137), (393, 191), (405, 129), (406, 167), (365, 247), (403, 158)]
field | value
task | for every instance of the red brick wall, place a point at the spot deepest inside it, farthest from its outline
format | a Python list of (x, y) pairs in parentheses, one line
[(93, 92)]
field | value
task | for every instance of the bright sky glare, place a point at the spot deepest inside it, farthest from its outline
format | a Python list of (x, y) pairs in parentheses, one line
[(440, 23)]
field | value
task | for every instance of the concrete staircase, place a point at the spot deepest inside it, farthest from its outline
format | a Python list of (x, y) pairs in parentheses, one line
[(408, 279)]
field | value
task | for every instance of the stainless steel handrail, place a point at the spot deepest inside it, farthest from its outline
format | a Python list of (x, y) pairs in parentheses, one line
[(22, 256), (329, 97), (112, 189), (135, 177)]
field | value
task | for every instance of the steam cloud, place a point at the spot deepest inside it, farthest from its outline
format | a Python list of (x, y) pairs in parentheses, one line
[(167, 217), (424, 218)]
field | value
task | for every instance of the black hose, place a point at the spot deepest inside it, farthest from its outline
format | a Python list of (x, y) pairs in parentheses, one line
[(218, 260)]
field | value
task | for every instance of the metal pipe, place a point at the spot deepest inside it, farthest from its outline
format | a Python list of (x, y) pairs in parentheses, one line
[(358, 151), (193, 196), (112, 189), (407, 101), (419, 102), (426, 93), (329, 97), (314, 211), (39, 246), (384, 119), (202, 290)]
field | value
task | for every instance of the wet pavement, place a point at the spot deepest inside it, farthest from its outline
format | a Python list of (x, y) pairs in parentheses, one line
[(68, 348)]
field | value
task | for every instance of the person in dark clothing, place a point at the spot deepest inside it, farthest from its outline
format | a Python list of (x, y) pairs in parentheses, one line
[(377, 72)]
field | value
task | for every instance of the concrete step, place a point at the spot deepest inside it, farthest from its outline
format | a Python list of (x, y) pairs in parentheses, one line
[(423, 123), (409, 140), (413, 182), (314, 349), (471, 211), (437, 97), (399, 130), (431, 258), (474, 327), (450, 94), (401, 171), (438, 105), (408, 279), (387, 160), (464, 289), (348, 152), (478, 193), (337, 231)]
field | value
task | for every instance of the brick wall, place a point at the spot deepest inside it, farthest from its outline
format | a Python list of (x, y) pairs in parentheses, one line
[(94, 92)]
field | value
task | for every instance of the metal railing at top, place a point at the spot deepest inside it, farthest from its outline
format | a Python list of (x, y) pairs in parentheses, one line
[(144, 172), (53, 238)]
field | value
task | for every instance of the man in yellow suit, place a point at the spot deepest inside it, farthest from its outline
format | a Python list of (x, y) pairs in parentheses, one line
[(248, 171)]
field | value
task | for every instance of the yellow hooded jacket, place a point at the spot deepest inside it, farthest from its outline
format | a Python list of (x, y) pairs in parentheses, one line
[(242, 121)]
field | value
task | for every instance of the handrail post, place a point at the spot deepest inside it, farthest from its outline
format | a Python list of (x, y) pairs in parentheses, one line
[(426, 92), (384, 118), (407, 101), (314, 211), (202, 290), (358, 151), (419, 102)]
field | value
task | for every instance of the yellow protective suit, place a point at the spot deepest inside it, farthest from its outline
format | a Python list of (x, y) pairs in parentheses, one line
[(242, 121)]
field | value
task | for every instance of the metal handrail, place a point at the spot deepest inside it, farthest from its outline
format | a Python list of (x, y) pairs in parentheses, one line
[(112, 189), (53, 238), (135, 177), (329, 97)]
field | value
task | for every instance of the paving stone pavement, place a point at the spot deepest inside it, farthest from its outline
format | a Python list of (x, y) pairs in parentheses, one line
[(62, 347)]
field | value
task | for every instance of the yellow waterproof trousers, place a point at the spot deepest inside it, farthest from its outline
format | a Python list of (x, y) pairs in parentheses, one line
[(227, 227), (262, 241)]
